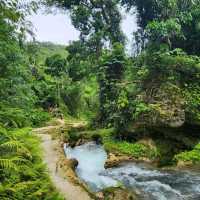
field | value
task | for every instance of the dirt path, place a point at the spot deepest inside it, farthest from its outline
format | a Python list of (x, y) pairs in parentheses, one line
[(66, 188)]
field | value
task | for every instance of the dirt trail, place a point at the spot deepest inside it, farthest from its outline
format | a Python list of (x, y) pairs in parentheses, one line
[(51, 156)]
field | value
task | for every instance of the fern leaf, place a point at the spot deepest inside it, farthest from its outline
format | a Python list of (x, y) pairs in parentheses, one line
[(18, 160), (12, 163), (16, 146), (12, 145), (7, 164)]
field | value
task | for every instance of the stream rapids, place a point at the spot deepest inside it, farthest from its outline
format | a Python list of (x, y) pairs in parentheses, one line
[(148, 182)]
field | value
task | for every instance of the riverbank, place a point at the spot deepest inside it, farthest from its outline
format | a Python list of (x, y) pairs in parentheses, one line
[(61, 173), (62, 169), (62, 183)]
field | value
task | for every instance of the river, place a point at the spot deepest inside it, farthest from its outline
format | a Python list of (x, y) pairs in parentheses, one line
[(150, 183)]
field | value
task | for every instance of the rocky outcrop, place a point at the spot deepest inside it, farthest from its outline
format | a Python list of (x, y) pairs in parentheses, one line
[(75, 138), (166, 106), (115, 160), (184, 164)]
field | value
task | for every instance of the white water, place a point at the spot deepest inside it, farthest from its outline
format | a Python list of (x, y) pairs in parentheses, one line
[(91, 159), (151, 184)]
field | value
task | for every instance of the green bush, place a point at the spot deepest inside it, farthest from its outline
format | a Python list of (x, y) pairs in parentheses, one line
[(191, 156), (13, 117), (38, 117)]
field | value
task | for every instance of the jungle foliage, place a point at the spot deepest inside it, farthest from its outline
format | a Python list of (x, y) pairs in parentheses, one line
[(22, 172), (155, 93), (158, 87)]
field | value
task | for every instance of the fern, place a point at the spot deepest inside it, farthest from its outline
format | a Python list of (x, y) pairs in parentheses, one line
[(15, 146), (3, 133), (19, 160), (23, 185), (7, 164), (12, 163), (11, 146)]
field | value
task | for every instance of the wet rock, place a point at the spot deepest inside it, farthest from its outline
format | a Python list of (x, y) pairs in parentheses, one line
[(184, 164), (77, 138), (115, 160), (73, 163), (81, 141), (62, 144), (118, 193), (72, 144), (112, 161)]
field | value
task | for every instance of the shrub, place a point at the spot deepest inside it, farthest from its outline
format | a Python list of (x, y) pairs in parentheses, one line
[(191, 156), (38, 117)]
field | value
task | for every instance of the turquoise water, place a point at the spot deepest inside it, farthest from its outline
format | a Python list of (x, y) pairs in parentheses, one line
[(91, 158)]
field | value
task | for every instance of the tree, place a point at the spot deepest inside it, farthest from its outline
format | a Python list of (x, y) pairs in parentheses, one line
[(173, 22), (112, 66), (15, 75), (56, 65), (81, 60), (97, 20), (146, 10)]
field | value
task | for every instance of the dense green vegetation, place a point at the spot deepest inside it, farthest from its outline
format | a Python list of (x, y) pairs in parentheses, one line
[(22, 172), (189, 156), (39, 51), (154, 94)]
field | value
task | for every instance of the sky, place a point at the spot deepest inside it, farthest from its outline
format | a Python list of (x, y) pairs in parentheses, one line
[(57, 28)]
